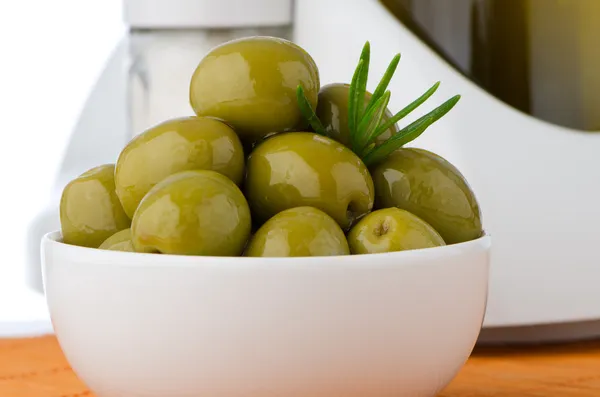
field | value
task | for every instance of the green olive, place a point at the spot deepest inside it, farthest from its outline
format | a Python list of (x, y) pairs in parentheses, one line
[(301, 231), (189, 143), (90, 211), (390, 230), (120, 241), (332, 111), (428, 186), (251, 83), (196, 212), (305, 169)]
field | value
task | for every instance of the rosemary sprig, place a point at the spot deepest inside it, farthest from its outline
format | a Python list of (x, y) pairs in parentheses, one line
[(408, 133), (365, 121), (308, 112)]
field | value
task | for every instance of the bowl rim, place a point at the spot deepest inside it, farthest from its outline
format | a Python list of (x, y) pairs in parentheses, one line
[(53, 241)]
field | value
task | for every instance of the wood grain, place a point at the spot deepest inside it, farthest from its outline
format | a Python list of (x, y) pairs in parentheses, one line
[(568, 370)]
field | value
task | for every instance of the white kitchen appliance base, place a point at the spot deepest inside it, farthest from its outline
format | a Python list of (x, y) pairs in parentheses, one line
[(536, 334)]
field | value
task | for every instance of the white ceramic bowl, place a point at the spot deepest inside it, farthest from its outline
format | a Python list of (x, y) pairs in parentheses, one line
[(146, 325)]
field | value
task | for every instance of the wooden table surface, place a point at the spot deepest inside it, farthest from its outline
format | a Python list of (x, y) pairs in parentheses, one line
[(569, 370), (36, 367)]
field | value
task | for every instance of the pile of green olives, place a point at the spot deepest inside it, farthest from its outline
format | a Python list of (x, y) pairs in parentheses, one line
[(250, 175)]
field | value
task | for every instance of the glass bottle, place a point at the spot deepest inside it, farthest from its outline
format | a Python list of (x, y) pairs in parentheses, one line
[(168, 38), (539, 56)]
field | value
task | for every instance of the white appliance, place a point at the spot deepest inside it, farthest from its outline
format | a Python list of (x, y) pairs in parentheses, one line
[(537, 181)]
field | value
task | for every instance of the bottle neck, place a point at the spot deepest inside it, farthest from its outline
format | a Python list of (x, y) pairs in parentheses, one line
[(208, 14)]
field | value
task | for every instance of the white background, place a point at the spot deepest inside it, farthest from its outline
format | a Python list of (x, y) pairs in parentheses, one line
[(51, 53)]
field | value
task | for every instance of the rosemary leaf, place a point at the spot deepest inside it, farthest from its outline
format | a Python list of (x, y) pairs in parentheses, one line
[(352, 102), (406, 111), (385, 81), (409, 133), (308, 113), (371, 121), (367, 149), (361, 84)]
